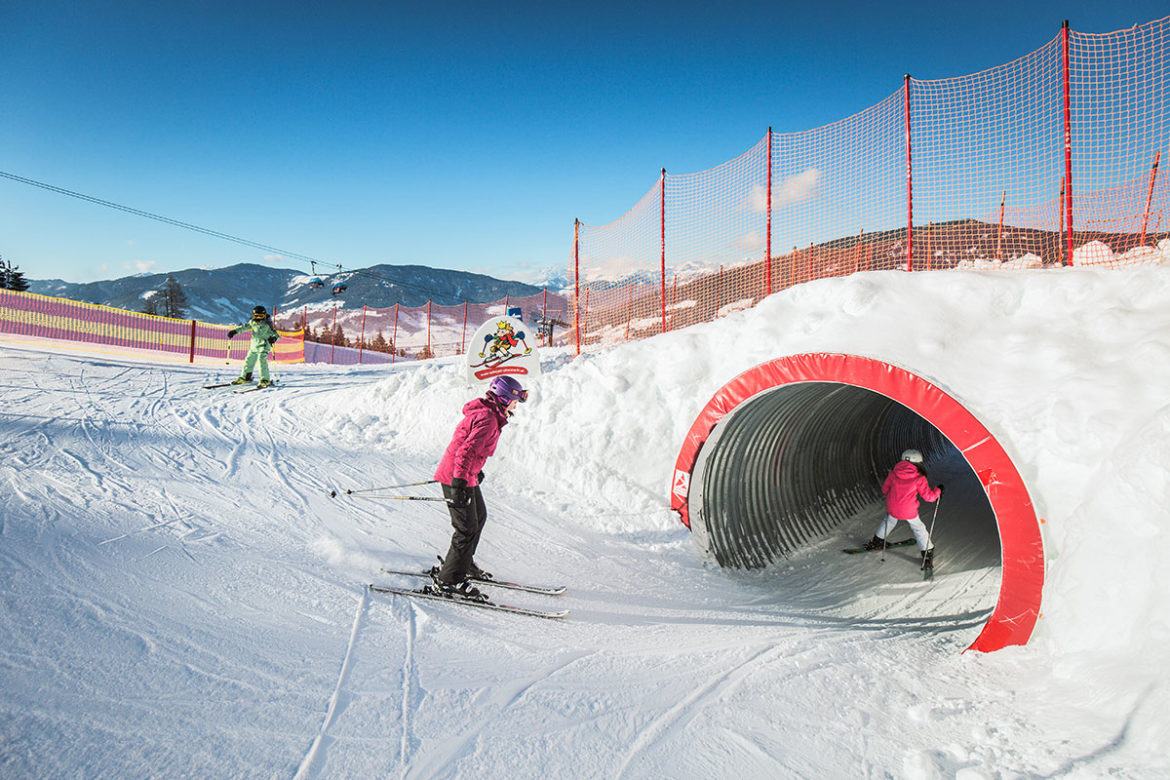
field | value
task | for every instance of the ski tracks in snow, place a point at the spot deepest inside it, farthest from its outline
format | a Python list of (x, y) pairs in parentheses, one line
[(410, 685), (717, 686), (320, 744)]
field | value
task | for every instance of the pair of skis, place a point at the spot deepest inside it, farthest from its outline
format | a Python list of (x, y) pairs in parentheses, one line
[(248, 389), (927, 572), (433, 593)]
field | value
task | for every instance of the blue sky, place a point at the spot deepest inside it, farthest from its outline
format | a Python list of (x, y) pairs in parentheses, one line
[(457, 134)]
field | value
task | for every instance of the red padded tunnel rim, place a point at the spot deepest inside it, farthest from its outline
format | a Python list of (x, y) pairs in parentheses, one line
[(1022, 578)]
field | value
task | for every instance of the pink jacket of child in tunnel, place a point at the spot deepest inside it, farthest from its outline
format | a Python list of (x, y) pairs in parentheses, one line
[(902, 488)]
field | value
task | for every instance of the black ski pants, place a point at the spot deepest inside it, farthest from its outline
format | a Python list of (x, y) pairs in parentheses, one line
[(468, 524)]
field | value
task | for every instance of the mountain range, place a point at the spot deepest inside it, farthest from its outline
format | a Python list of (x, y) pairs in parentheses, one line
[(228, 294)]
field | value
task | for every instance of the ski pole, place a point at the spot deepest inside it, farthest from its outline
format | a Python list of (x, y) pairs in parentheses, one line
[(930, 533), (407, 498), (333, 493)]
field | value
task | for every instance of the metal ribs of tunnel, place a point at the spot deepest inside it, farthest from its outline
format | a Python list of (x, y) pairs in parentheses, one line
[(795, 461)]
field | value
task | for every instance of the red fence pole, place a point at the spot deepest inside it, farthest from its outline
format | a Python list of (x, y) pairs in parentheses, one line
[(577, 282), (394, 341), (333, 336), (429, 354), (192, 360), (909, 184), (999, 235), (662, 259), (463, 343), (629, 310), (1150, 197), (768, 235), (1068, 219), (1060, 216), (544, 316), (929, 249), (362, 338)]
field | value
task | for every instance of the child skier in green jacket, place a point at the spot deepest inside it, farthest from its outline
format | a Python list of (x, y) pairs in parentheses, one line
[(264, 335)]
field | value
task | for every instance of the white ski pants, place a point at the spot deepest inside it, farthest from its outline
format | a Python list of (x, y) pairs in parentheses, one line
[(921, 535)]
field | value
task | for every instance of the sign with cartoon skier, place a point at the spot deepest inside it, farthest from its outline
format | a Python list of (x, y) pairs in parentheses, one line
[(500, 346)]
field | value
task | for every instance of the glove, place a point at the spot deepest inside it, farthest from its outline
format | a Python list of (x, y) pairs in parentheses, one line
[(232, 334), (460, 495), (272, 340), (479, 477), (940, 487)]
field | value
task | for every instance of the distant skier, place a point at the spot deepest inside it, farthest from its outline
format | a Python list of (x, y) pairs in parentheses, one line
[(461, 472), (905, 483), (264, 335)]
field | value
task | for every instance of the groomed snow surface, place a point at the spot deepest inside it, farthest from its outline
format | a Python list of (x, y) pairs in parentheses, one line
[(182, 597)]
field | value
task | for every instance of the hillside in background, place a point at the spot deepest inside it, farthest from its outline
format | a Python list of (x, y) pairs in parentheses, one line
[(222, 294)]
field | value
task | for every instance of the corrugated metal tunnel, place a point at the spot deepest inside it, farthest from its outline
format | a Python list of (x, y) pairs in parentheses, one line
[(789, 465), (786, 452)]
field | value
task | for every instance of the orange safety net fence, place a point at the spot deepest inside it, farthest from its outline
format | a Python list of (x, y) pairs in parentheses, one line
[(386, 335), (55, 320), (970, 172)]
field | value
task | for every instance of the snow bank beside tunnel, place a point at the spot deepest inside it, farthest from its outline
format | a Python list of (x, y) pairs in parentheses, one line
[(1067, 368)]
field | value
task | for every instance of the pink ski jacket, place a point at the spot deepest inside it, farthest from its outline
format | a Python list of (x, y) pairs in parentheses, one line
[(474, 441), (902, 488)]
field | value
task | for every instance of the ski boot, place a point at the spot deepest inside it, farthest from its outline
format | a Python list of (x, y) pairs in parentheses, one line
[(264, 383), (462, 589), (876, 543), (928, 560), (474, 572), (243, 380), (478, 573)]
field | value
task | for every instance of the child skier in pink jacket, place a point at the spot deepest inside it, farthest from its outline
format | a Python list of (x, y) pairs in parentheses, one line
[(904, 485), (461, 471)]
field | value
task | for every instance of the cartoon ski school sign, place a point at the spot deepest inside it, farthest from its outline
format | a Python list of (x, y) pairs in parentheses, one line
[(500, 346)]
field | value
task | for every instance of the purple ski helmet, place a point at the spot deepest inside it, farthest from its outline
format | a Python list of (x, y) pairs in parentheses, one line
[(508, 389)]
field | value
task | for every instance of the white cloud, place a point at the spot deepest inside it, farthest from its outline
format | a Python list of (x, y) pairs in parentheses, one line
[(796, 188), (140, 266)]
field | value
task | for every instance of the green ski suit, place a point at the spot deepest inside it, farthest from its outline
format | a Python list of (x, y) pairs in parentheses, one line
[(263, 337)]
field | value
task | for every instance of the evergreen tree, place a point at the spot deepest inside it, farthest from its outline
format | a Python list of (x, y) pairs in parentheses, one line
[(174, 300), (11, 277), (16, 280), (379, 344), (150, 305)]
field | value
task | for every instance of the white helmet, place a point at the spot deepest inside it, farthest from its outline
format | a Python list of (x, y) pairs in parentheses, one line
[(914, 456)]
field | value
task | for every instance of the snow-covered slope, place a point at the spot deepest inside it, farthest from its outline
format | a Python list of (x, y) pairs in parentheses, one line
[(182, 597)]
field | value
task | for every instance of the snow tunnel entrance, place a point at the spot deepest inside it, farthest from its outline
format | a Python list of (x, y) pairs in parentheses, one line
[(787, 451)]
